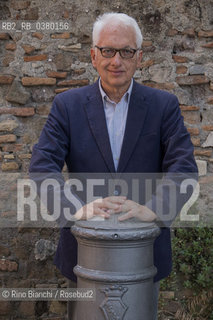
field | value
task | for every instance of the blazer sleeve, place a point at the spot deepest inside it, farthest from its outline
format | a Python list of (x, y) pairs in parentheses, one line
[(178, 166), (176, 143), (50, 152), (48, 159)]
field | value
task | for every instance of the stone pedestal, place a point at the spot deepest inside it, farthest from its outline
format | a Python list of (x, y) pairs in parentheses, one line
[(116, 259)]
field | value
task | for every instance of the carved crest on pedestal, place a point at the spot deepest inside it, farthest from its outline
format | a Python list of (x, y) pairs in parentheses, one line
[(113, 307)]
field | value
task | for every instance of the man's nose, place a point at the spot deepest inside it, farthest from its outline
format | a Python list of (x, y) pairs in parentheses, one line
[(116, 59)]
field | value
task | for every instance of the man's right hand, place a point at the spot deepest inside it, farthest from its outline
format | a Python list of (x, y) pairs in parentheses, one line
[(100, 207)]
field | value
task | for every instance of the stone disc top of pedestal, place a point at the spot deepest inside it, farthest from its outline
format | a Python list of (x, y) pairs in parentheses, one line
[(113, 223), (112, 229)]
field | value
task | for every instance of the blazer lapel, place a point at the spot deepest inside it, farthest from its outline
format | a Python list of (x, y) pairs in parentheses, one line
[(97, 122), (135, 120)]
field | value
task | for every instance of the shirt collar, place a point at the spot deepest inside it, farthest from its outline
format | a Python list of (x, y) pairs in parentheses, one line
[(127, 94)]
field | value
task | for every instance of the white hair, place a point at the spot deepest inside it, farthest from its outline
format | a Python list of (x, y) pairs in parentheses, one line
[(119, 18)]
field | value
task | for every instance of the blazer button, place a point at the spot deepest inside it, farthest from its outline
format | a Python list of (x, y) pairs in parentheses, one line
[(116, 193)]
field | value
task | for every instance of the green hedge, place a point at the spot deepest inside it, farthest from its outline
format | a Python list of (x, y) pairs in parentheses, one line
[(193, 257)]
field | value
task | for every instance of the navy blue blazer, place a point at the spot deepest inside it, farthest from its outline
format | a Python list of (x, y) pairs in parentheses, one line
[(155, 140)]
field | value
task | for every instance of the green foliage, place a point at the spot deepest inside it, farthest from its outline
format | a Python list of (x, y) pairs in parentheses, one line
[(193, 257)]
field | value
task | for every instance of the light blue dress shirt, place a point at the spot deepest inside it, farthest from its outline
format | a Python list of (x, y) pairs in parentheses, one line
[(116, 115)]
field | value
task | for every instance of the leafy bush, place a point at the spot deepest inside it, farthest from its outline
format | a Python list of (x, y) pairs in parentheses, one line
[(193, 257)]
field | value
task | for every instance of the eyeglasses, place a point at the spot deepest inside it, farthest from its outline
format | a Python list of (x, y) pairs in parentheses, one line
[(125, 53)]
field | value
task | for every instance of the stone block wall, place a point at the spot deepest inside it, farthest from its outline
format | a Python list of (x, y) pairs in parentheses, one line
[(37, 64)]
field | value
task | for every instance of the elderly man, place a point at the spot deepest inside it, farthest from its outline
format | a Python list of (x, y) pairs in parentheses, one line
[(115, 125)]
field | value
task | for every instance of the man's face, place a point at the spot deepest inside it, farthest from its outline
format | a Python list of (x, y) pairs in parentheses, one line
[(116, 72)]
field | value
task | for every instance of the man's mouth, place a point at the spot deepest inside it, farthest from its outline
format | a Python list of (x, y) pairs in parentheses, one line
[(116, 72)]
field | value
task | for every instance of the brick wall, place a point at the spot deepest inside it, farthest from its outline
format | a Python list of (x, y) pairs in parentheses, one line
[(37, 65)]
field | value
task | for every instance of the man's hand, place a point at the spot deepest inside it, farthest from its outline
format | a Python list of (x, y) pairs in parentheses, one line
[(100, 207), (136, 210)]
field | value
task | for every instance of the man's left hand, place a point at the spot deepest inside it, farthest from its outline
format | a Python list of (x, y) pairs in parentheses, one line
[(134, 209)]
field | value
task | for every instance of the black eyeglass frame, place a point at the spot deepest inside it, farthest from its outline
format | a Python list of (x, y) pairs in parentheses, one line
[(117, 50)]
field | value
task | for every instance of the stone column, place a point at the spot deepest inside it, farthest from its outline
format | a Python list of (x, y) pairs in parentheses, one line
[(116, 259)]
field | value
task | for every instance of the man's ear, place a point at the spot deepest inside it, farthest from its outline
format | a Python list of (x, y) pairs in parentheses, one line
[(93, 57), (139, 58)]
